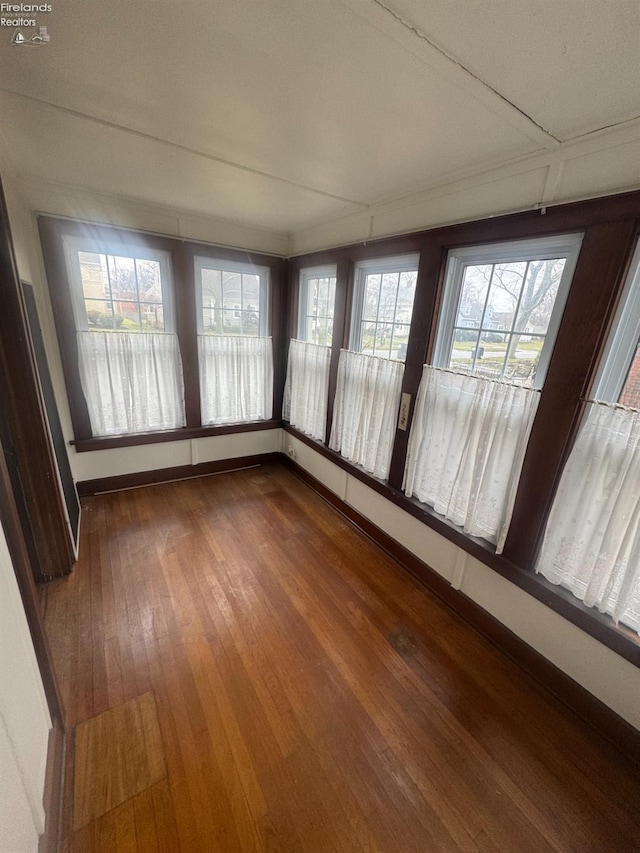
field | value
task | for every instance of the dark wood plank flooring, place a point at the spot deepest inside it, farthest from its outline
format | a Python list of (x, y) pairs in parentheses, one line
[(311, 696)]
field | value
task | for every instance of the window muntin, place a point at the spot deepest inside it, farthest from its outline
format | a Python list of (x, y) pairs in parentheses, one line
[(231, 297), (502, 306), (383, 305), (618, 379), (317, 304), (119, 287)]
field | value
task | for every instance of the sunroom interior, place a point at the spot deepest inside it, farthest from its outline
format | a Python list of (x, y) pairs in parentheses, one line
[(393, 248)]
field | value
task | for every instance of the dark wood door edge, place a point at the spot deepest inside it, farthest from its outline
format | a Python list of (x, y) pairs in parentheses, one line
[(54, 790), (602, 719)]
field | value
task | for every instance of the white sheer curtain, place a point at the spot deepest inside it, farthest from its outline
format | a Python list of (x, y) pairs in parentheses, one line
[(306, 388), (132, 381), (466, 448), (592, 540), (366, 410), (236, 378)]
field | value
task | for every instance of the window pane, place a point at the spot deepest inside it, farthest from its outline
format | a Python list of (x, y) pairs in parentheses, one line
[(231, 289), (99, 314), (322, 332), (122, 278), (211, 288), (93, 274), (491, 354), (539, 295), (367, 337), (399, 343), (121, 293), (249, 321), (152, 314), (463, 348), (383, 301), (230, 322), (251, 293), (524, 355), (320, 305), (149, 280), (231, 300), (504, 293), (212, 301), (322, 295), (388, 297), (513, 293), (630, 395), (371, 297), (331, 296), (126, 315), (382, 343), (475, 284)]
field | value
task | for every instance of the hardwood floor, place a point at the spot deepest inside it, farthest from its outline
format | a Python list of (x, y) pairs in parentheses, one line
[(310, 695)]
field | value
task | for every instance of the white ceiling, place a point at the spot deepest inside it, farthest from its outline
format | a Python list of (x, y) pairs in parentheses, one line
[(285, 113)]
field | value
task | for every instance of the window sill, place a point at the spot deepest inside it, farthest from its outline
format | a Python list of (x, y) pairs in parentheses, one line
[(624, 641), (109, 442)]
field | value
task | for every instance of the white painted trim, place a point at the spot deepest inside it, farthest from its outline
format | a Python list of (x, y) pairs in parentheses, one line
[(426, 207)]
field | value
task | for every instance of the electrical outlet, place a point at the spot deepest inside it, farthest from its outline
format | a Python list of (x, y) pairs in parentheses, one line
[(403, 417)]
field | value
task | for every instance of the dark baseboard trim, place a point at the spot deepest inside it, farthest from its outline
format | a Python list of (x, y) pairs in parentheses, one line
[(54, 790), (166, 475), (576, 698)]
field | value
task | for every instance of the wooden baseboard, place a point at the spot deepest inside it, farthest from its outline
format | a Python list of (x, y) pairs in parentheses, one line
[(53, 796), (166, 475), (585, 705)]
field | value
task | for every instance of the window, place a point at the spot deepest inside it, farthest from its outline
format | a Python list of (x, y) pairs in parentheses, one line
[(128, 354), (592, 539), (235, 354), (128, 290), (307, 382), (232, 298), (383, 304), (316, 306), (370, 374), (502, 306), (500, 313), (618, 380)]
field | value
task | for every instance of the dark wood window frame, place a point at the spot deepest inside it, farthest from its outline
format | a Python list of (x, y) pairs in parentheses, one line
[(610, 227), (182, 254)]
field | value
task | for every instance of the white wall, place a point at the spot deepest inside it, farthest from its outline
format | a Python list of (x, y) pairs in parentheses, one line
[(614, 680), (600, 163), (169, 454), (24, 722)]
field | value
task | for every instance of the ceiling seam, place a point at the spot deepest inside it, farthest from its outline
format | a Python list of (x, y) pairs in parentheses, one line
[(416, 32), (177, 145)]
